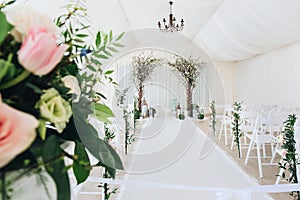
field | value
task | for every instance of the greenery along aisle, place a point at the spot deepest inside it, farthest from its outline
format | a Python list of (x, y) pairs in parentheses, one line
[(236, 124), (291, 158), (47, 78), (213, 121)]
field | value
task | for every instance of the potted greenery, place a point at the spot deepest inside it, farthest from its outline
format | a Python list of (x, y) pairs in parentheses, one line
[(201, 113), (181, 116)]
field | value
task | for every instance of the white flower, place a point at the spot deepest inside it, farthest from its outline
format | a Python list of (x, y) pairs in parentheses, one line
[(72, 83), (24, 17), (54, 109)]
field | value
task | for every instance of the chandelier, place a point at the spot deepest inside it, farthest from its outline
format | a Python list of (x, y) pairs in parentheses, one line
[(171, 26)]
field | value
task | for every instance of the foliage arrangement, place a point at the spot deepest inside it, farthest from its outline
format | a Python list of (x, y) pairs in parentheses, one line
[(213, 121), (107, 192), (290, 161), (48, 73), (181, 116), (188, 70), (143, 66), (236, 123), (136, 114), (129, 138), (201, 113), (121, 96)]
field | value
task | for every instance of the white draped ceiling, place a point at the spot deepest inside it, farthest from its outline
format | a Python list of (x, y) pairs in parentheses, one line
[(241, 29), (228, 30)]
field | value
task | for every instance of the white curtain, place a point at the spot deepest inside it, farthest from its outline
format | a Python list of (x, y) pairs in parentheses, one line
[(271, 78), (241, 29)]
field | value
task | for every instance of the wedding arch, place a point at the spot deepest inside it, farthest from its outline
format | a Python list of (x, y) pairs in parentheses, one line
[(164, 47)]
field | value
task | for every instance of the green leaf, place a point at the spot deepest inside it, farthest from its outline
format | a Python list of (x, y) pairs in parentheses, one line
[(42, 129), (118, 45), (101, 95), (81, 167), (111, 171), (5, 26), (109, 72), (102, 112), (79, 40), (98, 39), (107, 53), (5, 66), (97, 147), (82, 108), (112, 49), (105, 40), (35, 88), (56, 167), (120, 36), (110, 36), (82, 35), (107, 155), (96, 62), (92, 68), (101, 56)]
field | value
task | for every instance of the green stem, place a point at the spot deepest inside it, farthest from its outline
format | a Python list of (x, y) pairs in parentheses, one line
[(106, 187), (15, 81), (3, 191)]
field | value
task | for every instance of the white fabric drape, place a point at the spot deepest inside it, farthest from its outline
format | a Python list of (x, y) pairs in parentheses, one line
[(241, 29)]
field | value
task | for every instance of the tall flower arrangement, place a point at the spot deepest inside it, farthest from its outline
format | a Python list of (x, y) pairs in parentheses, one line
[(48, 75), (143, 66), (189, 70)]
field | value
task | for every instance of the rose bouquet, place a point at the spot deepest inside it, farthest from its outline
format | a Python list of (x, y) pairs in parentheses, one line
[(48, 75)]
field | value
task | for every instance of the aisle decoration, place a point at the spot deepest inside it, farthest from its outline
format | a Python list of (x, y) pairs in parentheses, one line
[(127, 116), (188, 70), (201, 113), (129, 137), (213, 121), (291, 158), (143, 66), (236, 123), (47, 78), (107, 191)]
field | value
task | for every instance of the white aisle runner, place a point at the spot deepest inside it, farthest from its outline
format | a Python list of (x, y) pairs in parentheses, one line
[(170, 151)]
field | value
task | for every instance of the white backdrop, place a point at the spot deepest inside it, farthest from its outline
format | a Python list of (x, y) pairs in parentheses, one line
[(271, 78)]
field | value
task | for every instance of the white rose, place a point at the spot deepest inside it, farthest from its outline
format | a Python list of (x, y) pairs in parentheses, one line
[(23, 18), (72, 83)]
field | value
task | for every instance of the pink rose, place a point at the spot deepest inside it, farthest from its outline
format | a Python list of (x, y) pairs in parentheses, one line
[(17, 132), (39, 53)]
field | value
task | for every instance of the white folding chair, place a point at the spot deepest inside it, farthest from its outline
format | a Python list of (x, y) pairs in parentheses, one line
[(259, 137), (226, 123)]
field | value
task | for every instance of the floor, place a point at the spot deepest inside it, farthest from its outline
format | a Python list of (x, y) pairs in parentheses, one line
[(180, 158)]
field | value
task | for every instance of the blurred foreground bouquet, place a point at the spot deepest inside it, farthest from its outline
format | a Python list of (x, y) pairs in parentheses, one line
[(48, 75)]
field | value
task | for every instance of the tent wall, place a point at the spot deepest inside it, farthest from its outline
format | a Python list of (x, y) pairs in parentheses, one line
[(270, 78)]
